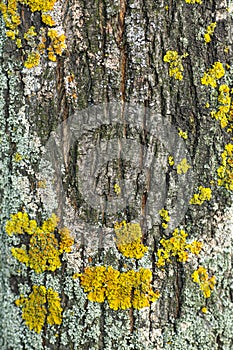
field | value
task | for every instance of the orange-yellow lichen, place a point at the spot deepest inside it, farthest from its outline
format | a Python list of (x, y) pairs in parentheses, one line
[(40, 304), (128, 240), (121, 290), (205, 282), (44, 249), (177, 246), (57, 44)]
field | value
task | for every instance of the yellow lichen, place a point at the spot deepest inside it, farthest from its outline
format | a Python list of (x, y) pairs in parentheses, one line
[(225, 171), (171, 161), (57, 44), (128, 240), (183, 166), (175, 64), (30, 33), (224, 113), (203, 195), (17, 157), (44, 249), (40, 304), (20, 224), (205, 282), (47, 19), (183, 134), (54, 307), (121, 290), (177, 246), (39, 5), (192, 2), (33, 60), (209, 31), (117, 189), (213, 74), (165, 217)]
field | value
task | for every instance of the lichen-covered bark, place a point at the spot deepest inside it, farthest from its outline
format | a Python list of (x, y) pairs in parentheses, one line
[(114, 54)]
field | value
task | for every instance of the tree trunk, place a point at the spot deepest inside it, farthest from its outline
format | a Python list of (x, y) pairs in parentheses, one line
[(88, 137)]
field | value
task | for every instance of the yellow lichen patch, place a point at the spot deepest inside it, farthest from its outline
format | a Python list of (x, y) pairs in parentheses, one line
[(33, 60), (213, 74), (128, 240), (47, 19), (44, 250), (11, 34), (117, 189), (33, 308), (41, 184), (171, 161), (209, 31), (183, 134), (21, 255), (38, 305), (165, 217), (225, 171), (203, 195), (54, 307), (205, 282), (183, 167), (66, 240), (39, 5), (18, 43), (175, 64), (121, 290), (57, 44), (192, 2), (177, 246), (17, 157), (30, 33), (223, 114), (20, 224)]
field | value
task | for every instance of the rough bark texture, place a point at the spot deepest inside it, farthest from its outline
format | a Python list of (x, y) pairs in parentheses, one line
[(115, 54)]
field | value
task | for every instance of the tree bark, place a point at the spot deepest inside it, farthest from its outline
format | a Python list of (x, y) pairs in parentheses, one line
[(107, 112)]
